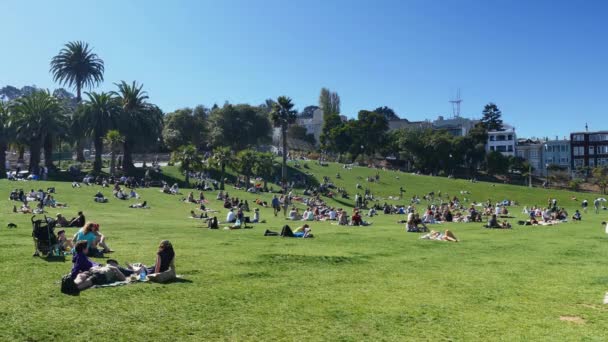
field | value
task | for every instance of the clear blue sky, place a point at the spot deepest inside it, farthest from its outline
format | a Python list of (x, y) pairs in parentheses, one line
[(545, 63)]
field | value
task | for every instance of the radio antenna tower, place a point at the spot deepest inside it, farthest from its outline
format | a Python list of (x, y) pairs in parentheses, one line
[(456, 105)]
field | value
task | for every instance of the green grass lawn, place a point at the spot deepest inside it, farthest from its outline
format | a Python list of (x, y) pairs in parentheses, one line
[(346, 284)]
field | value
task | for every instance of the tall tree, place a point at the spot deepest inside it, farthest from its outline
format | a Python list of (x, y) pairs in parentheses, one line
[(329, 123), (264, 167), (388, 113), (186, 126), (244, 162), (99, 115), (139, 122), (223, 156), (114, 140), (38, 117), (239, 126), (77, 67), (282, 116), (6, 134), (491, 118), (189, 159), (373, 127), (496, 163), (329, 102)]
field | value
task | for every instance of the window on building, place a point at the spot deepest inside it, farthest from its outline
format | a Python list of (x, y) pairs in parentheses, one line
[(563, 148), (601, 149), (602, 161), (594, 137), (592, 162), (591, 150), (579, 162), (578, 137), (549, 161), (533, 154), (501, 148), (510, 149), (578, 150), (509, 137), (563, 160), (492, 138)]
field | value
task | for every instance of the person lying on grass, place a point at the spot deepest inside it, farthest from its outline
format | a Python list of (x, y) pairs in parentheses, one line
[(143, 205), (61, 221), (438, 236), (301, 232), (196, 216)]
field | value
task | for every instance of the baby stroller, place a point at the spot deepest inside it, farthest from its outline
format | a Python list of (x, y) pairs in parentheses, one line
[(45, 240)]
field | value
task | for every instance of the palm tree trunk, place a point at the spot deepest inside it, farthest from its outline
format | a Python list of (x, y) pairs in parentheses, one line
[(34, 166), (127, 158), (223, 167), (80, 151), (3, 147), (284, 168), (113, 161), (98, 152), (48, 152)]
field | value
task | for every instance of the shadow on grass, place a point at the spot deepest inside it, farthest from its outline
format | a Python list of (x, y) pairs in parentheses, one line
[(311, 259)]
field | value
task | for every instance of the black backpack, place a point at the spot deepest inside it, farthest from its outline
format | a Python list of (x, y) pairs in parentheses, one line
[(68, 286)]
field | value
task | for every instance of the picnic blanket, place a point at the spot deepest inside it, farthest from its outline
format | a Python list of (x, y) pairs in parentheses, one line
[(128, 282)]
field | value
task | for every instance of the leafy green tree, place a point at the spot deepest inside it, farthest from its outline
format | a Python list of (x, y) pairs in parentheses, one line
[(186, 126), (282, 116), (600, 178), (496, 163), (264, 167), (388, 113), (100, 114), (140, 122), (330, 122), (300, 133), (239, 126), (77, 67), (372, 129), (491, 118), (189, 159), (329, 102), (244, 162), (223, 156), (37, 117), (114, 140), (342, 138)]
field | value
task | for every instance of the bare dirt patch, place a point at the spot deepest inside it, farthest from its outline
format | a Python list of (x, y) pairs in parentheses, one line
[(572, 319)]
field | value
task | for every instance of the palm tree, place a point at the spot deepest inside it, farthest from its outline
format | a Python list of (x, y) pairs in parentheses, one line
[(77, 67), (38, 117), (283, 115), (114, 139), (139, 120), (223, 156), (189, 159), (99, 115), (5, 135)]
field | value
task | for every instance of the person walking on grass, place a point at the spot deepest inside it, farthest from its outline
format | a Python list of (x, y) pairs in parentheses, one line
[(596, 204)]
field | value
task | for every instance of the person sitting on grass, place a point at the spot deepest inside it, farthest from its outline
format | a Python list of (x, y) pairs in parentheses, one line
[(164, 258), (231, 216), (577, 216), (356, 219), (86, 234), (60, 221), (25, 209), (81, 263), (77, 221), (190, 198), (256, 216), (143, 205), (62, 242), (99, 198), (213, 224), (493, 222), (133, 194), (100, 239), (533, 220)]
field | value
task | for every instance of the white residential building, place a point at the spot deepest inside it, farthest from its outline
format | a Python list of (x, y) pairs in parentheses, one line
[(504, 141)]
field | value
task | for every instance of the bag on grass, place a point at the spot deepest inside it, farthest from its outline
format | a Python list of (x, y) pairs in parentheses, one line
[(68, 286)]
